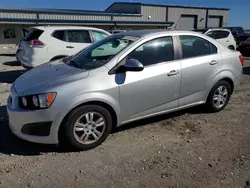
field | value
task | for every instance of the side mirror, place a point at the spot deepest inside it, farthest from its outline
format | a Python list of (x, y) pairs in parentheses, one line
[(132, 65)]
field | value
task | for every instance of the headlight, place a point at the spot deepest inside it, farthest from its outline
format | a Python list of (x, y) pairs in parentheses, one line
[(38, 101), (45, 100), (35, 101), (24, 101)]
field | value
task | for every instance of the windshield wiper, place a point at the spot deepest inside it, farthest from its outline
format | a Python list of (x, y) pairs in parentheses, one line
[(74, 64), (70, 62), (66, 59)]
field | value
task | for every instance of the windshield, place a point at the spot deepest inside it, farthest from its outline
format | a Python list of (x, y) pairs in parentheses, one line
[(99, 53)]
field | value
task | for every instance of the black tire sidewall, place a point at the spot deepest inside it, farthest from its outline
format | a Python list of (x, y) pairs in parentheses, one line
[(68, 126), (210, 101)]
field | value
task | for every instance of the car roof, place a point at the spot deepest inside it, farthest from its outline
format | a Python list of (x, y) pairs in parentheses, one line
[(145, 33), (218, 29), (67, 27)]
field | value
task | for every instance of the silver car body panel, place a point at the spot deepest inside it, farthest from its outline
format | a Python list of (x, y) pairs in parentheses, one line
[(132, 95)]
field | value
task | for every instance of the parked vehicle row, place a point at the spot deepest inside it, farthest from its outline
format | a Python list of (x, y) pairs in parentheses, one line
[(123, 78), (48, 43), (241, 38)]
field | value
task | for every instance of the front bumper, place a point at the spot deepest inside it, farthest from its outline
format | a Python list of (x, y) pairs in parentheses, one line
[(19, 117)]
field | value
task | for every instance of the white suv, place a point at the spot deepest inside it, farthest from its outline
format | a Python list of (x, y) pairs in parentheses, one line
[(48, 43), (223, 36)]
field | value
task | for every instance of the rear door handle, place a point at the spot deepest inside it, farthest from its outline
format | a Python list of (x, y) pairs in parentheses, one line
[(69, 46), (213, 62), (173, 72)]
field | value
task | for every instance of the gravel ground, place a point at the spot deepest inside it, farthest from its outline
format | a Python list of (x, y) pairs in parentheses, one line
[(190, 148)]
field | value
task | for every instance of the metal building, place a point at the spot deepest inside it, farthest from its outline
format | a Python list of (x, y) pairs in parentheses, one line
[(117, 16)]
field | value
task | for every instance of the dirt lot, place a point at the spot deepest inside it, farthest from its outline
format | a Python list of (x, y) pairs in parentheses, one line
[(190, 148)]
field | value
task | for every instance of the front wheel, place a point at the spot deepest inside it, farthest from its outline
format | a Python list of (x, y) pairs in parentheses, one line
[(219, 96), (86, 127)]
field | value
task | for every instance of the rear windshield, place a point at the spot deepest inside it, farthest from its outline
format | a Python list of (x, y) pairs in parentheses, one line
[(33, 34)]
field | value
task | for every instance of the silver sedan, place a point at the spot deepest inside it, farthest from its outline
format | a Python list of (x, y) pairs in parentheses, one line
[(125, 77)]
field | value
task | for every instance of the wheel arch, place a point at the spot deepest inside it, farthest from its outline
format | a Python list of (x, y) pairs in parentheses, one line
[(103, 104), (231, 47), (227, 79)]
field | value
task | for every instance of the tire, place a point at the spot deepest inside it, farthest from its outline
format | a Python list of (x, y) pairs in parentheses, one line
[(214, 91), (231, 47), (69, 137)]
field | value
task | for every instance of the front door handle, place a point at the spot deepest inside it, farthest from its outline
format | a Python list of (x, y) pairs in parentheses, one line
[(173, 72), (213, 62), (69, 46)]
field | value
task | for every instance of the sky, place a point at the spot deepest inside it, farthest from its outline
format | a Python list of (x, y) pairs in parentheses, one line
[(239, 14)]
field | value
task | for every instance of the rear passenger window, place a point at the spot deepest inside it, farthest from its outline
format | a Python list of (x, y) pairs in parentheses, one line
[(156, 51), (99, 35), (59, 35), (79, 36), (193, 46)]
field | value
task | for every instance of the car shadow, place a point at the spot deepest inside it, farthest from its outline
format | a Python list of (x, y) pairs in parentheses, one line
[(10, 76), (11, 145), (246, 70), (156, 119), (12, 63), (8, 54)]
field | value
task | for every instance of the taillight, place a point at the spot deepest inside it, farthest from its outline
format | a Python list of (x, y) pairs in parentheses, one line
[(241, 60), (36, 43)]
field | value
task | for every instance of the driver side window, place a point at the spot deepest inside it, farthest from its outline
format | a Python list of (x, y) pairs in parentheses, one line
[(155, 51)]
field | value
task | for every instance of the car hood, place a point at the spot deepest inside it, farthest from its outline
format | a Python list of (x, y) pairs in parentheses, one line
[(46, 73)]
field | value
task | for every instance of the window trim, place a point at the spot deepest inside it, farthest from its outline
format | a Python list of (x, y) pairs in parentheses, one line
[(181, 51), (67, 37)]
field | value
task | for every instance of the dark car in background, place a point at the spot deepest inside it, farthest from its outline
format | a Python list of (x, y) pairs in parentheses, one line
[(239, 34), (244, 47), (242, 40), (241, 37)]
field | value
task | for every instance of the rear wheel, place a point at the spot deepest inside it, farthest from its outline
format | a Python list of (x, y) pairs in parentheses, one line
[(219, 96), (86, 127)]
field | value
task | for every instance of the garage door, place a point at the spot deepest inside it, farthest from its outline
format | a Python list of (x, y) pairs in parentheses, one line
[(187, 22), (214, 21)]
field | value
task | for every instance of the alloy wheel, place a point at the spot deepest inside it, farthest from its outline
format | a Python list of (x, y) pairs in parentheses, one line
[(220, 96), (89, 128)]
